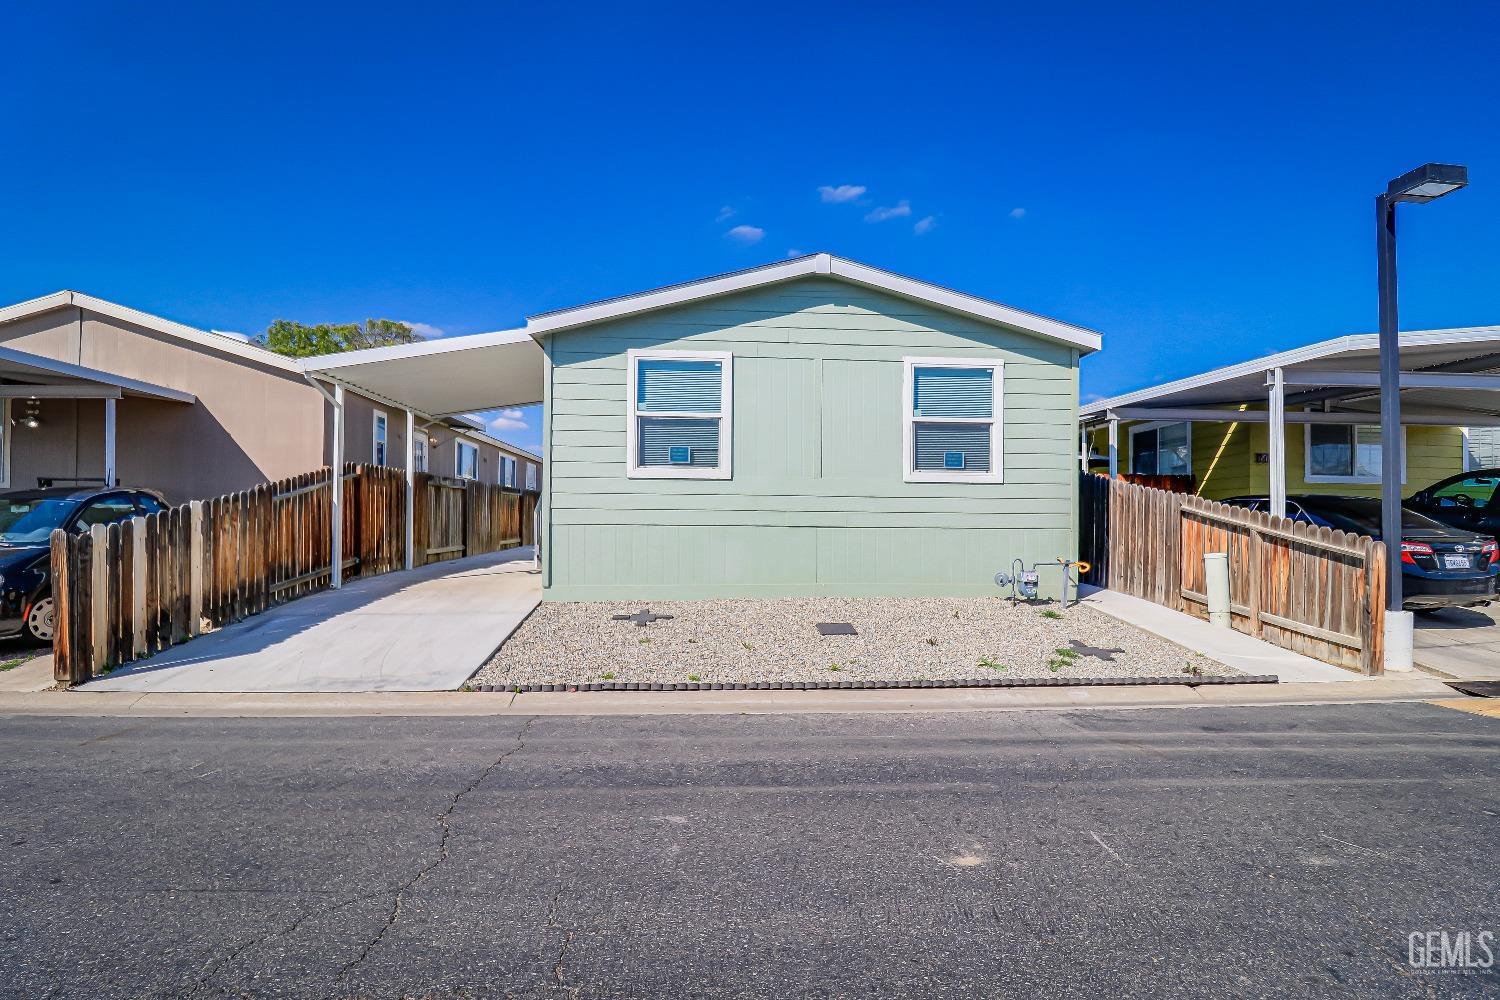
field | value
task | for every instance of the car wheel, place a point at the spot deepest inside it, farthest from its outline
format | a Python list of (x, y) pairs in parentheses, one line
[(41, 620)]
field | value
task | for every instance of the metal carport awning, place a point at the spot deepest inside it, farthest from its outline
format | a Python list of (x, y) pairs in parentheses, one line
[(436, 378), (439, 378)]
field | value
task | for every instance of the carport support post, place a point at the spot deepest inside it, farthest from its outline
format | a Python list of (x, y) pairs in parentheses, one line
[(1114, 446), (336, 495), (109, 442), (1276, 426), (1083, 448), (411, 487)]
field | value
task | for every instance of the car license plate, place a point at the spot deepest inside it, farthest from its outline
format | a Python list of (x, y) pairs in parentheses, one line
[(1452, 561)]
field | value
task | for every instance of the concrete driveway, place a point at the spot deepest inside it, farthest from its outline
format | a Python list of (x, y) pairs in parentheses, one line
[(424, 630), (1460, 642)]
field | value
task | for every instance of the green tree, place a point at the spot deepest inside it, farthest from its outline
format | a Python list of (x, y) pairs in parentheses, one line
[(298, 340)]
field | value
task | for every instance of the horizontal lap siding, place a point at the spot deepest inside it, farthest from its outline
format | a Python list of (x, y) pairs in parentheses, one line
[(816, 504)]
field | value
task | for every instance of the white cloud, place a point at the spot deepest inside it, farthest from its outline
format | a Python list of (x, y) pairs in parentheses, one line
[(900, 209), (925, 225), (1018, 213), (424, 330), (838, 195), (727, 212), (746, 234), (793, 252), (508, 420)]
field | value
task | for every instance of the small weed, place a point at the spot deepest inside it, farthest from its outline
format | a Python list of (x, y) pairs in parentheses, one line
[(608, 675), (645, 639), (748, 647), (694, 678), (1049, 613), (1062, 656), (932, 642), (835, 667), (515, 689), (1193, 669), (12, 664), (467, 687), (990, 663)]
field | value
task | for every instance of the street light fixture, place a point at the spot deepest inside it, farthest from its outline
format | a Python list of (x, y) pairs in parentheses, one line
[(1424, 184)]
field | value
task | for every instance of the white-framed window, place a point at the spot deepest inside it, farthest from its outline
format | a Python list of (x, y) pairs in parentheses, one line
[(507, 471), (419, 451), (466, 460), (679, 416), (1345, 453), (381, 438), (6, 427), (531, 475), (1481, 448), (1161, 449), (952, 420)]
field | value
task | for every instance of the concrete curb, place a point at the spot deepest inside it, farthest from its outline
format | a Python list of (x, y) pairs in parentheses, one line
[(970, 682)]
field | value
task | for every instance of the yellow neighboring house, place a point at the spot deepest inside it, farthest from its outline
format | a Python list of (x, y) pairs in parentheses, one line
[(1189, 427)]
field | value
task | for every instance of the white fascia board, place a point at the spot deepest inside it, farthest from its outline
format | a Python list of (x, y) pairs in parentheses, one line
[(816, 264), (1351, 343), (443, 345), (968, 305), (32, 307), (64, 369)]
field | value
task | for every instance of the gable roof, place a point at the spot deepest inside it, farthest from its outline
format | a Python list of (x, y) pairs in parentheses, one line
[(179, 331), (826, 265)]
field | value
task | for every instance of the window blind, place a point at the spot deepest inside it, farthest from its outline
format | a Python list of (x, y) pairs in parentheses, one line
[(953, 392), (665, 385)]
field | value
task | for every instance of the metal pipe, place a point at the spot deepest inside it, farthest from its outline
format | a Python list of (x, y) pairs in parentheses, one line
[(1276, 422)]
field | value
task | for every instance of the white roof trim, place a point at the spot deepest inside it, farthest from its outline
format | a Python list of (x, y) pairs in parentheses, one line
[(202, 338), (63, 369), (816, 264), (1312, 352)]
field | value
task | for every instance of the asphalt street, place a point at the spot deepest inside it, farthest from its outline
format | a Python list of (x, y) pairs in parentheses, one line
[(1265, 852)]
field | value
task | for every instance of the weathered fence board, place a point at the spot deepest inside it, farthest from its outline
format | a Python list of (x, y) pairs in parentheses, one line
[(132, 589), (1312, 590)]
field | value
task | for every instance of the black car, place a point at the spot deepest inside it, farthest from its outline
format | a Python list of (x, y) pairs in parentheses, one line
[(1441, 566), (1466, 501), (27, 520)]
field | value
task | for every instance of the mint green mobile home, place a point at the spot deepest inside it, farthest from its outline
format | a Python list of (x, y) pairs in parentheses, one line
[(814, 427)]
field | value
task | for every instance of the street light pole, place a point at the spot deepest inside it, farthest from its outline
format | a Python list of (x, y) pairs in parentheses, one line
[(1424, 184), (1390, 401)]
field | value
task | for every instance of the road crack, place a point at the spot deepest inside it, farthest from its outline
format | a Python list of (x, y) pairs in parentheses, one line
[(398, 895)]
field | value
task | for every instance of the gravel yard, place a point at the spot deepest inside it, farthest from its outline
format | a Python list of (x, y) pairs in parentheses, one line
[(777, 640)]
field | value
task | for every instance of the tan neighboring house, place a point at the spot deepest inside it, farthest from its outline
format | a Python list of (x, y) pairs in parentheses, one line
[(93, 391)]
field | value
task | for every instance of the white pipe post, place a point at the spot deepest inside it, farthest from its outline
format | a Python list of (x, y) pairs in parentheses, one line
[(1083, 449), (1277, 427), (336, 495), (109, 442), (1114, 447), (411, 488)]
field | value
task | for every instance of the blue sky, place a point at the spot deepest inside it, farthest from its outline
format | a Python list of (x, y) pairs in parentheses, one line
[(1196, 184)]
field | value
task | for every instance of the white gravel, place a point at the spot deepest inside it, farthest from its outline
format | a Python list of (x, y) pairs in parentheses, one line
[(776, 640)]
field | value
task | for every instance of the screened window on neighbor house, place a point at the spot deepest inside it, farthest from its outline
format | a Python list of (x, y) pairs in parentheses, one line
[(1343, 451), (468, 461), (1161, 451), (679, 410), (381, 436), (419, 452), (952, 421), (507, 471), (530, 476)]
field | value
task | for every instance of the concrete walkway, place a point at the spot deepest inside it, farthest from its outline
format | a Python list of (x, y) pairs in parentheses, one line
[(424, 630), (1235, 649), (1462, 643)]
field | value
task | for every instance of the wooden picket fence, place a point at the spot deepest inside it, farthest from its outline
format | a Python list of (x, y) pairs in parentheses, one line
[(128, 590), (1312, 590)]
